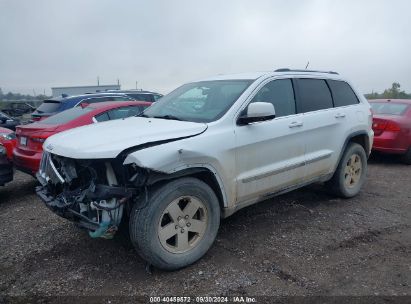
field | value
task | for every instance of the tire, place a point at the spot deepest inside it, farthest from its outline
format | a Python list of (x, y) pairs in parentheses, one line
[(351, 172), (172, 206), (406, 158)]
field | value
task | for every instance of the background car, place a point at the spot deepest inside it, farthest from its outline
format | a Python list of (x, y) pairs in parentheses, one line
[(6, 168), (8, 140), (392, 126), (8, 122), (30, 138), (55, 105), (141, 95), (16, 109)]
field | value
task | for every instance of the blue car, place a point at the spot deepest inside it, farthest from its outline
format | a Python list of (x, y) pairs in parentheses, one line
[(55, 105)]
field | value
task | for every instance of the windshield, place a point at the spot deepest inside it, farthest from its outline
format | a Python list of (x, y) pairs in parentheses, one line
[(66, 116), (388, 108), (204, 101)]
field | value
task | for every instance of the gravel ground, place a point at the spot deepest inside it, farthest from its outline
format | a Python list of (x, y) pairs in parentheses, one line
[(302, 243)]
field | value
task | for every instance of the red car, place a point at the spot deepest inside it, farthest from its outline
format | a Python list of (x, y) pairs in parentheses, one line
[(30, 138), (392, 126), (8, 140)]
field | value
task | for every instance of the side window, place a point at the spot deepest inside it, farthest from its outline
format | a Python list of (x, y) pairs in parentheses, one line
[(280, 93), (124, 112), (156, 97), (314, 95), (343, 95), (102, 117), (120, 98), (96, 99), (142, 97), (133, 111)]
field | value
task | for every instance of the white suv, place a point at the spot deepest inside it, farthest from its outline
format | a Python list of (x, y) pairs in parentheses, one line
[(203, 152)]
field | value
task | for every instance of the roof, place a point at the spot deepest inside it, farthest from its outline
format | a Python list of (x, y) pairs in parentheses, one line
[(407, 101), (117, 104), (279, 72), (89, 86), (5, 131), (132, 91), (103, 94)]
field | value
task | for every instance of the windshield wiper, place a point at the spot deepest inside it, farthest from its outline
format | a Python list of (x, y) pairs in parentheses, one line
[(170, 117)]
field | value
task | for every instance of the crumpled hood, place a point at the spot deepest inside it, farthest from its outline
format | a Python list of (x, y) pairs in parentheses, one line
[(108, 139)]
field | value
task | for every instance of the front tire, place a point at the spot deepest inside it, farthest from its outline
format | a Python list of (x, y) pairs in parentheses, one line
[(178, 224), (351, 172)]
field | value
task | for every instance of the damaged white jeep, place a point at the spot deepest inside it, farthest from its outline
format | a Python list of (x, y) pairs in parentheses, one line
[(203, 152)]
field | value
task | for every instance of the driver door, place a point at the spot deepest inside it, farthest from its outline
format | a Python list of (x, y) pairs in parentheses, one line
[(270, 154)]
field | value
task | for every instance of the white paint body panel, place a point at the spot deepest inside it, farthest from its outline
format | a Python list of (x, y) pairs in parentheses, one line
[(108, 139), (248, 161)]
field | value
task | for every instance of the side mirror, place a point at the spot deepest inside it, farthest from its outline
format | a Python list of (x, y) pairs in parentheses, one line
[(257, 111)]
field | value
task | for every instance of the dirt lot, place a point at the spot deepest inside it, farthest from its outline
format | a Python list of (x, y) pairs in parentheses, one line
[(302, 243)]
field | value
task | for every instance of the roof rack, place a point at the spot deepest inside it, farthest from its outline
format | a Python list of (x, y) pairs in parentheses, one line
[(305, 71)]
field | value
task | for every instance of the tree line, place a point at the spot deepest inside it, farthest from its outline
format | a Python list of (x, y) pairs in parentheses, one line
[(17, 96), (392, 93)]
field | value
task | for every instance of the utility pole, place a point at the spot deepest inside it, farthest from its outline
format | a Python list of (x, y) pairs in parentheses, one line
[(98, 81), (136, 84)]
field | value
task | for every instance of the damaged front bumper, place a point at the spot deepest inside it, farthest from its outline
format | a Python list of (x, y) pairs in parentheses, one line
[(62, 210), (79, 194)]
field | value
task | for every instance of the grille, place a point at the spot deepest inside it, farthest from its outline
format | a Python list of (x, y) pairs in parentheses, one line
[(48, 170)]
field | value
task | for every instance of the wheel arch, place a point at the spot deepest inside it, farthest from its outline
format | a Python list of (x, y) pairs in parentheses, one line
[(204, 173), (359, 137)]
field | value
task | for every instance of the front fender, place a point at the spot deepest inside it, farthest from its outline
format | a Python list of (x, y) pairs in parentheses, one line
[(174, 157)]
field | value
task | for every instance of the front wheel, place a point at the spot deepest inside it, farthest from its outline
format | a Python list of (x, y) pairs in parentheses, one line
[(351, 172), (178, 225)]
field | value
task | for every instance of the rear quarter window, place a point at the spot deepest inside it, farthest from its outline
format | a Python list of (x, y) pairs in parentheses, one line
[(314, 95), (342, 93)]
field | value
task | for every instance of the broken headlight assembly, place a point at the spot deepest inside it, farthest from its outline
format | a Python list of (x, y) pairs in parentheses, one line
[(88, 192)]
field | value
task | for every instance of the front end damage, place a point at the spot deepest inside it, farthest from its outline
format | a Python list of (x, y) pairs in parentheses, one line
[(93, 193)]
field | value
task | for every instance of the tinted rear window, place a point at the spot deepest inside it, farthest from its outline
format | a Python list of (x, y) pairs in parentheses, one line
[(48, 106), (66, 116), (314, 95), (388, 108), (343, 95)]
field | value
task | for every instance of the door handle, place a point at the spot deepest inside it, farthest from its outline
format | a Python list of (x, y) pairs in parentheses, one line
[(340, 115), (295, 124)]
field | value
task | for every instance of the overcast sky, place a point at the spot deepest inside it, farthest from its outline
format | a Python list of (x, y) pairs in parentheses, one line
[(162, 44)]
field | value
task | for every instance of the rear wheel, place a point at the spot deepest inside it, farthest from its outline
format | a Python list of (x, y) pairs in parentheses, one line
[(406, 158), (178, 224), (351, 171)]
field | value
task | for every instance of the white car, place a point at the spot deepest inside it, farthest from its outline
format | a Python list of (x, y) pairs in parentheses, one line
[(204, 151)]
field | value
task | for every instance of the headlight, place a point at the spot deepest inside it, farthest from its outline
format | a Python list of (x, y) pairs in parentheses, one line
[(2, 150)]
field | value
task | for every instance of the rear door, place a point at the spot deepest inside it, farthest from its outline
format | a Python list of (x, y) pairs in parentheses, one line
[(270, 154), (325, 127)]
